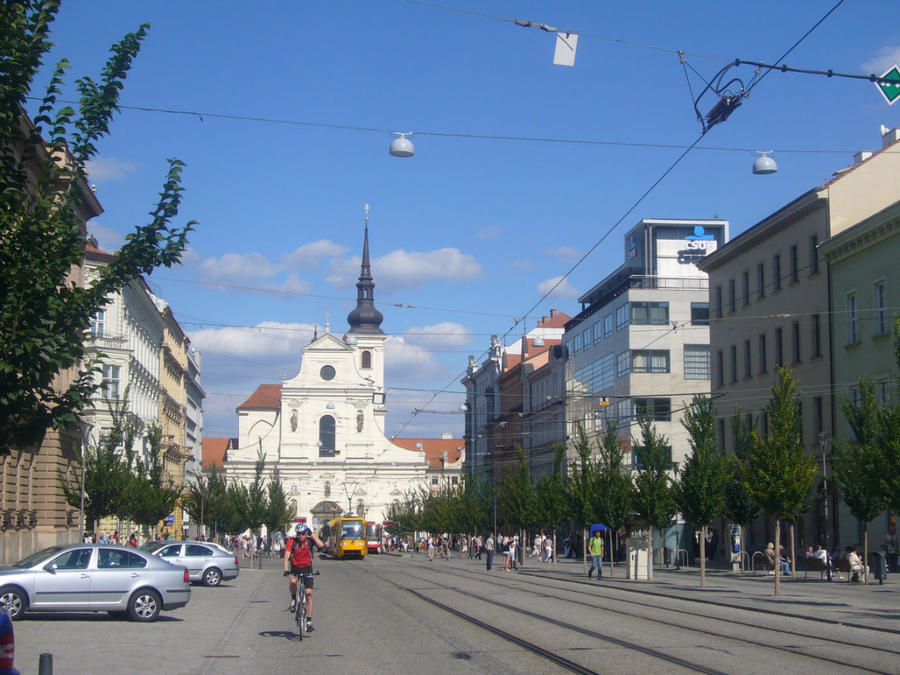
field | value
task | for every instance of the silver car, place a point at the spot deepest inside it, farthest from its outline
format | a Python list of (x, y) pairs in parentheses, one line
[(206, 562), (94, 577)]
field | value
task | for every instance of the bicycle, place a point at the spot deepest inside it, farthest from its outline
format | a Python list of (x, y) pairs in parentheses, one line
[(300, 612)]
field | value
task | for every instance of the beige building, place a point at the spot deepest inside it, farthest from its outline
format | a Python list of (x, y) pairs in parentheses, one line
[(769, 306)]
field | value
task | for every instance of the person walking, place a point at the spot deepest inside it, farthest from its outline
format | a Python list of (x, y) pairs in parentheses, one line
[(489, 550), (596, 548)]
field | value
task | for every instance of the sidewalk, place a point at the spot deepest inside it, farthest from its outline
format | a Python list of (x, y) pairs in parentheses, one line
[(852, 604)]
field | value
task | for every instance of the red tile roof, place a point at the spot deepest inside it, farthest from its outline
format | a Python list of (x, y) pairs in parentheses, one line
[(215, 451), (434, 448), (557, 320), (266, 397)]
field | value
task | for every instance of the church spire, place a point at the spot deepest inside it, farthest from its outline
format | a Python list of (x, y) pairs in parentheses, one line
[(365, 318)]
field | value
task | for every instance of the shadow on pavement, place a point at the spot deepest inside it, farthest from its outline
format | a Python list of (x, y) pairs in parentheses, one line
[(286, 634)]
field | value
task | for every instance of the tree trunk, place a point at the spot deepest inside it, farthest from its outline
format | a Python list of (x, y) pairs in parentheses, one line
[(520, 549), (865, 560), (703, 557), (650, 553), (553, 550), (777, 556), (793, 553), (584, 550)]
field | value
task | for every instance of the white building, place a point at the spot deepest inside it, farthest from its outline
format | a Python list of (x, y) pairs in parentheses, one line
[(640, 345), (324, 427), (128, 331)]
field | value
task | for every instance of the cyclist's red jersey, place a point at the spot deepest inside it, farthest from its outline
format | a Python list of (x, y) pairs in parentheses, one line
[(300, 553)]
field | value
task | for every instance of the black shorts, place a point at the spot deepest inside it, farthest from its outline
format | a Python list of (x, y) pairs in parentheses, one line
[(305, 572)]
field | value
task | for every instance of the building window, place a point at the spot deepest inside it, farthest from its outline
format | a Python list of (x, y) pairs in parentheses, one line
[(718, 302), (734, 369), (795, 265), (650, 361), (623, 363), (652, 313), (326, 436), (779, 354), (607, 325), (587, 339), (762, 353), (813, 255), (98, 324), (569, 349), (881, 322), (699, 313), (578, 343), (747, 371), (434, 480), (731, 296), (367, 359), (622, 316), (760, 281), (110, 385), (746, 288), (795, 342), (623, 411), (656, 409), (883, 392), (696, 362), (720, 369), (852, 318), (776, 272), (598, 333), (327, 489), (816, 335)]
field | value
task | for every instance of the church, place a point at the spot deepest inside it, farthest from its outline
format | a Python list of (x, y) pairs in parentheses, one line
[(324, 428)]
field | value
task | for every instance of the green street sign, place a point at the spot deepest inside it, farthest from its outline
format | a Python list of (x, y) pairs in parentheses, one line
[(890, 90)]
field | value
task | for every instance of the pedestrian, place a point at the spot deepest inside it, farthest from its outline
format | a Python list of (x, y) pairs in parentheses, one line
[(489, 551), (596, 547), (548, 550)]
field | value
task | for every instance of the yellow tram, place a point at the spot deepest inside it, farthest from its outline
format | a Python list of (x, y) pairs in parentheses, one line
[(346, 538)]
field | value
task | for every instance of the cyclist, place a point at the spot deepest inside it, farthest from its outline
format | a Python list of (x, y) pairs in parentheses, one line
[(297, 561)]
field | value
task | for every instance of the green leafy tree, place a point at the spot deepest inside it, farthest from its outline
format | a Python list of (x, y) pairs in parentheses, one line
[(615, 489), (553, 505), (518, 500), (44, 200), (278, 511), (889, 437), (778, 474), (654, 497), (700, 491), (151, 495), (581, 489), (256, 493), (858, 465), (205, 499), (740, 507), (107, 475)]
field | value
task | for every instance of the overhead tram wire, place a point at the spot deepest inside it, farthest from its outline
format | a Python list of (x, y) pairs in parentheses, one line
[(630, 209)]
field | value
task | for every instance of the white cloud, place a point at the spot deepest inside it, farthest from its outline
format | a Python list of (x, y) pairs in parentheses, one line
[(189, 257), (446, 335), (109, 169), (524, 265), (314, 253), (564, 254), (409, 269), (269, 341), (490, 232), (233, 266), (563, 290), (883, 59), (107, 240), (293, 284), (403, 359)]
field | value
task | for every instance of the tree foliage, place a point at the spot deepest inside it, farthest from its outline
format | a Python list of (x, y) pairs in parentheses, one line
[(151, 495), (739, 505), (44, 200), (517, 497), (615, 489)]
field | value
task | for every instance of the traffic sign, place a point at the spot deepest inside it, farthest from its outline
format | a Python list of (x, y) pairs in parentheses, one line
[(890, 90)]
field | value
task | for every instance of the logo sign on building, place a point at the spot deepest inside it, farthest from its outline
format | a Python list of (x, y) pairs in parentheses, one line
[(300, 519), (890, 90)]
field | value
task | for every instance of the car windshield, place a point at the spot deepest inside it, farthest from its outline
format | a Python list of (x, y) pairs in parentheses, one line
[(151, 546), (39, 557)]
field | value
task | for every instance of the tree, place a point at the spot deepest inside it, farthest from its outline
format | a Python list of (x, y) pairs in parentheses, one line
[(278, 511), (858, 466), (205, 499), (778, 475), (44, 196), (654, 499), (739, 505), (615, 489), (256, 493), (107, 474), (518, 499), (581, 489), (553, 507), (700, 491), (151, 495)]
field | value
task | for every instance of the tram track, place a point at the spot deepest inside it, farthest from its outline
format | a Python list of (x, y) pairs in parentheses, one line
[(623, 609)]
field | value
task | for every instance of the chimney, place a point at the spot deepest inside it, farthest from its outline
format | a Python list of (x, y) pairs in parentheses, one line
[(446, 436), (889, 136), (861, 157), (552, 313)]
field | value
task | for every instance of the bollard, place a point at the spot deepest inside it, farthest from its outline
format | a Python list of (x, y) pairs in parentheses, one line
[(45, 667), (7, 644)]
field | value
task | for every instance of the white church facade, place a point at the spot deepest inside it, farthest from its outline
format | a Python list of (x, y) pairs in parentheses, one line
[(324, 428)]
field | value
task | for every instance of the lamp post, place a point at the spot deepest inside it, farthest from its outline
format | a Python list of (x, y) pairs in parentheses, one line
[(86, 428), (823, 440)]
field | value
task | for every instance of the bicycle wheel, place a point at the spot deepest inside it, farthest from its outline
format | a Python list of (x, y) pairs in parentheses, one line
[(301, 616)]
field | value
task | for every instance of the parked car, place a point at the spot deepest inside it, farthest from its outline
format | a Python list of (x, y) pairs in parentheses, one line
[(94, 577), (206, 562)]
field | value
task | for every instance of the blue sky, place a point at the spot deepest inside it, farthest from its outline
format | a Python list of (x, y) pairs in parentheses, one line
[(470, 230)]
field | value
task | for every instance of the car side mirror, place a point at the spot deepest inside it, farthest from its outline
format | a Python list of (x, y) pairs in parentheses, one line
[(52, 568)]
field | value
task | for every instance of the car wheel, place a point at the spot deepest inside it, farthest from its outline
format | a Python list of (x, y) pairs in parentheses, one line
[(14, 601), (144, 605), (212, 577)]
